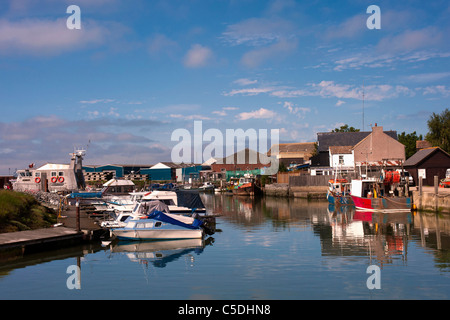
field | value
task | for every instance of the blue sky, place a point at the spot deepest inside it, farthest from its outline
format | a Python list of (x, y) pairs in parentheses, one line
[(138, 70)]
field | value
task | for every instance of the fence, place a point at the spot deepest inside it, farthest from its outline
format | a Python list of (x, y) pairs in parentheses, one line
[(307, 180)]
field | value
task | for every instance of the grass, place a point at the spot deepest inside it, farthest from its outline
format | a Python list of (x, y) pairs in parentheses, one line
[(19, 212)]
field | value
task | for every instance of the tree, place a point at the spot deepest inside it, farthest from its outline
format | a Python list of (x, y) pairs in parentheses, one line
[(409, 140), (439, 130), (345, 128)]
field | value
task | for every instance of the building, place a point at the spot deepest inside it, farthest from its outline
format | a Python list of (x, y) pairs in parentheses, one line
[(293, 153), (428, 163), (162, 171), (345, 151), (110, 171), (379, 149), (246, 160)]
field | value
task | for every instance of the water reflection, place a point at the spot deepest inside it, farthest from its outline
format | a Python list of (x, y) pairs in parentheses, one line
[(343, 231), (160, 253)]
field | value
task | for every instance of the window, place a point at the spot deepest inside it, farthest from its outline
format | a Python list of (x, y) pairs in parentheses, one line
[(61, 174), (53, 174), (341, 159), (140, 225), (158, 224), (37, 174), (149, 224)]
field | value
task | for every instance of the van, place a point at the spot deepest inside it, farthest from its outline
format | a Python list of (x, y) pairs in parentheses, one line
[(405, 175)]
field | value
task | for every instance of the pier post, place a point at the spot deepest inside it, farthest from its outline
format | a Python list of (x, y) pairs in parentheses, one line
[(77, 205), (436, 190)]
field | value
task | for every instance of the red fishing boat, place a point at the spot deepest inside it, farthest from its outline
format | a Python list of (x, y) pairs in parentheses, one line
[(381, 195)]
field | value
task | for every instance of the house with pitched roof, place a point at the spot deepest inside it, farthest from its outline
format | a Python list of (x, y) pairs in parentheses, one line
[(427, 163), (346, 151)]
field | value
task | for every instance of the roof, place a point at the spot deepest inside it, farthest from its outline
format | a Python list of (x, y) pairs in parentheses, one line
[(305, 147), (171, 165), (340, 149), (327, 139), (233, 159), (421, 155), (54, 166)]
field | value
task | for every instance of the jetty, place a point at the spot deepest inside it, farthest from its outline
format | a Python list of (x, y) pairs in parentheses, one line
[(70, 230), (40, 239)]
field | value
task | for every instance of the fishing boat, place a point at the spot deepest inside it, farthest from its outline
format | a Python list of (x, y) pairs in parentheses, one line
[(381, 195), (338, 192), (246, 186), (160, 225)]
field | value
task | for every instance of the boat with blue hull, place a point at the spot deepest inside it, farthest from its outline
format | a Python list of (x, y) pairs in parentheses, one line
[(160, 226), (153, 220), (338, 192)]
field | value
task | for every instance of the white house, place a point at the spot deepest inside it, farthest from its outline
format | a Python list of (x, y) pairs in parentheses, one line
[(342, 158)]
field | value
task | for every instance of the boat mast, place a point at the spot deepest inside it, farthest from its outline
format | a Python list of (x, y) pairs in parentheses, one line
[(363, 108)]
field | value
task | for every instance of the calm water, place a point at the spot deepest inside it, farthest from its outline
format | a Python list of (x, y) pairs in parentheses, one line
[(267, 249)]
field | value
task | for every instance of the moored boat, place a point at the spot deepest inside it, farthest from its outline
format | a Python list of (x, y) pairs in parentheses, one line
[(380, 196), (338, 192), (160, 225)]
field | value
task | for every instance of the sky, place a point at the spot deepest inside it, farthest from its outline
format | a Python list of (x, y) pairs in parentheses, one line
[(138, 70)]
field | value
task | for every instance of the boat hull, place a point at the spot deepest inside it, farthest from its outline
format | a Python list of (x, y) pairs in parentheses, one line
[(157, 234), (383, 204), (339, 200)]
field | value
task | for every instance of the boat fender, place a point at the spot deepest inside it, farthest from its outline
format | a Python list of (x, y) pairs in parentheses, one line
[(37, 180)]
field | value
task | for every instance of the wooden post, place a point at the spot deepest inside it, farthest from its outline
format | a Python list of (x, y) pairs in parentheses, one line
[(436, 190), (77, 204)]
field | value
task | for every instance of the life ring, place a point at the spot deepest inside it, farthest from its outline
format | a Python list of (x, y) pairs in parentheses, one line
[(37, 180), (61, 179), (54, 179)]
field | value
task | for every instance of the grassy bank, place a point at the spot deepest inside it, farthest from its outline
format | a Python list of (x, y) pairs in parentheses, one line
[(19, 212)]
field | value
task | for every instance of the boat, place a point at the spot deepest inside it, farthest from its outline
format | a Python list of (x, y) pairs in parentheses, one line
[(175, 200), (381, 195), (207, 187), (246, 186), (338, 192), (159, 225), (53, 177)]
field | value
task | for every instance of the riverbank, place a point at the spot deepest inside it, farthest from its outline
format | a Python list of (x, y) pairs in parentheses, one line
[(305, 192), (425, 201), (21, 212)]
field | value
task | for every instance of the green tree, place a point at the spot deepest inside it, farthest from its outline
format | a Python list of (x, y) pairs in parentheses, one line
[(439, 130), (345, 128), (409, 140)]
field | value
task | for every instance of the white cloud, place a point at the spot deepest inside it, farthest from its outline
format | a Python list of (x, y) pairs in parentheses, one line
[(339, 103), (249, 91), (258, 31), (245, 82), (95, 101), (443, 90), (298, 111), (257, 114), (51, 37), (198, 56), (329, 89)]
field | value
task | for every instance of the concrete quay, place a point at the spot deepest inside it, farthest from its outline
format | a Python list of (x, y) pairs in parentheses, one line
[(428, 200)]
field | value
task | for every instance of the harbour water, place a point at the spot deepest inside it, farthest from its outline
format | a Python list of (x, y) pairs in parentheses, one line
[(269, 248)]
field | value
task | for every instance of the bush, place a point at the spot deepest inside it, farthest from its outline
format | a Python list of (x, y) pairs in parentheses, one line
[(20, 211)]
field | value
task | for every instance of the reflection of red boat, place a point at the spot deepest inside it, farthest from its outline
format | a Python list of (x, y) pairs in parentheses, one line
[(375, 196)]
